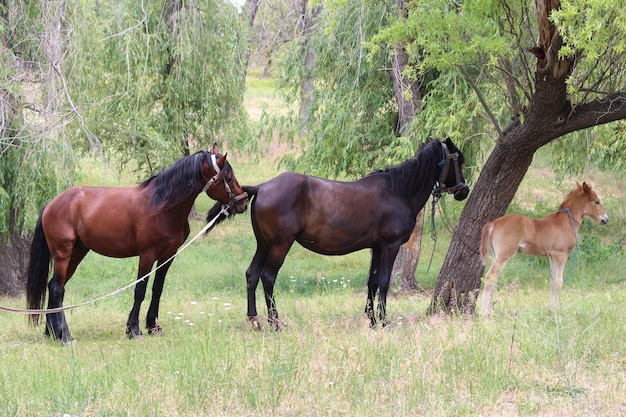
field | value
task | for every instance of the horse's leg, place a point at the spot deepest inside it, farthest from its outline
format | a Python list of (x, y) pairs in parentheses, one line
[(268, 278), (132, 326), (388, 256), (152, 318), (557, 265), (56, 325), (64, 268), (372, 286), (253, 274)]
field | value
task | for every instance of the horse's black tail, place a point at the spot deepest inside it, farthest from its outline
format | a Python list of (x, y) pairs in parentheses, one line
[(216, 210), (38, 271)]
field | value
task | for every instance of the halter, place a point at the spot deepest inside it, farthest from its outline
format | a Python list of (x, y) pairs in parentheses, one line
[(444, 164), (231, 197), (213, 179)]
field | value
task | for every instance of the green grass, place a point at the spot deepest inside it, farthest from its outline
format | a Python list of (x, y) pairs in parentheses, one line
[(327, 361)]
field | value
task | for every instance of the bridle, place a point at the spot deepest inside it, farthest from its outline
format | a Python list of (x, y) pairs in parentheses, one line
[(233, 199), (444, 164)]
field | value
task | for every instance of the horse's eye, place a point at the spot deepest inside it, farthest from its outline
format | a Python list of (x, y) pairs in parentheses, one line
[(597, 202)]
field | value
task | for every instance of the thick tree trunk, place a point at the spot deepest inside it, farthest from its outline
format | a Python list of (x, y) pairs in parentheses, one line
[(409, 101)]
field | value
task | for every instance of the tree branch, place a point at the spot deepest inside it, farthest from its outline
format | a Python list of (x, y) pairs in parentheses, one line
[(484, 103), (596, 112)]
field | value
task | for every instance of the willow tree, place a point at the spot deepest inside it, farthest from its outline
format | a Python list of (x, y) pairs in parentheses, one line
[(558, 66), (134, 80), (160, 77)]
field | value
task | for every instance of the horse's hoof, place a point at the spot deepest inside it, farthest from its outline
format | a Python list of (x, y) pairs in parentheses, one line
[(68, 342), (133, 333), (276, 323), (155, 331), (256, 324)]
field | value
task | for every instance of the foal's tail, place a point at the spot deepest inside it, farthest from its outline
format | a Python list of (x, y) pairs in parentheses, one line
[(485, 242), (38, 271), (216, 210)]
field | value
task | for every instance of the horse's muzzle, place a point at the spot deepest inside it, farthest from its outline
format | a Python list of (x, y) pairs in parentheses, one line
[(239, 203), (462, 193)]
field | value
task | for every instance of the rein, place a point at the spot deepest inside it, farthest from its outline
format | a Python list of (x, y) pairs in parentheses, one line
[(433, 232), (224, 210), (571, 220)]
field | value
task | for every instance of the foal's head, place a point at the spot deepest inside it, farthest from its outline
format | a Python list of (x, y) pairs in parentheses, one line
[(591, 203)]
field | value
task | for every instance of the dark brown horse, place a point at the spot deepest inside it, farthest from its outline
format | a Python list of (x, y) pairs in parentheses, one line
[(149, 220), (336, 218)]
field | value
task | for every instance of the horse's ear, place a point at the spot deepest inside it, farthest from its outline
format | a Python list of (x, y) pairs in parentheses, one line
[(215, 148), (586, 188), (222, 160), (449, 142)]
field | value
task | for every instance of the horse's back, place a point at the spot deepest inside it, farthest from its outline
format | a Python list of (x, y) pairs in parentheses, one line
[(327, 216)]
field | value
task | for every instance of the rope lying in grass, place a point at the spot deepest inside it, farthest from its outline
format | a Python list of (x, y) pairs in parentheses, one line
[(95, 300)]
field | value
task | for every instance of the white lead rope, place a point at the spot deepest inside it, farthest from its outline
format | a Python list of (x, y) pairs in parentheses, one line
[(224, 210)]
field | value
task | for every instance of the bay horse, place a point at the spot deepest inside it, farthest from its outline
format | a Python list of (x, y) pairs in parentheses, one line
[(553, 236), (149, 220), (329, 217)]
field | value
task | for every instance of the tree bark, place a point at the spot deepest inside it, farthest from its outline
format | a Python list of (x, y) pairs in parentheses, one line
[(550, 115), (253, 7), (14, 260), (305, 23), (404, 266), (409, 101)]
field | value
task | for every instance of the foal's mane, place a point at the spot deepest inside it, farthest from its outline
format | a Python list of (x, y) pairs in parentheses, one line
[(573, 195), (177, 182), (416, 173)]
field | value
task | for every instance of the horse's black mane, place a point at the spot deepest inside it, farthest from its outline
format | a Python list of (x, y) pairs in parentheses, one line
[(177, 182), (416, 173)]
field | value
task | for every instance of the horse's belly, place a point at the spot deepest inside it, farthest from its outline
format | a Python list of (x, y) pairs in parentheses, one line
[(113, 247), (530, 249), (331, 246)]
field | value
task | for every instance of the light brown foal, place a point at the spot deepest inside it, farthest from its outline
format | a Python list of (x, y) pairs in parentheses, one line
[(553, 236)]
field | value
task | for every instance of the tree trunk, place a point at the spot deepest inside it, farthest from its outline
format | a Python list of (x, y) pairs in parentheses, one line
[(253, 7), (305, 23), (404, 266), (550, 115), (409, 101), (14, 261)]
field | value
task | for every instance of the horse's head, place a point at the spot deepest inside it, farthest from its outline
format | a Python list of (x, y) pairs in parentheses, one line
[(222, 185), (592, 206), (451, 172)]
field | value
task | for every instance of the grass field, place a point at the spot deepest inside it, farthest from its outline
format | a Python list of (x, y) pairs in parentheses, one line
[(522, 361)]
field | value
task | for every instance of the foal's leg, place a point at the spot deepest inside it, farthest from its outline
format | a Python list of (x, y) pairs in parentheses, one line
[(490, 282), (132, 326), (557, 265), (152, 318)]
